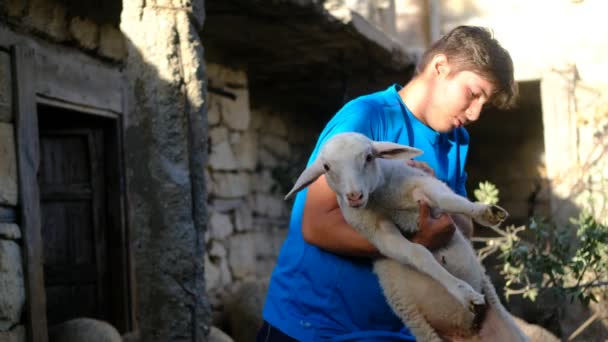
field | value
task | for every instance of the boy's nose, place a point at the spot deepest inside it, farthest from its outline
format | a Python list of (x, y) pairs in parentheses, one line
[(473, 112)]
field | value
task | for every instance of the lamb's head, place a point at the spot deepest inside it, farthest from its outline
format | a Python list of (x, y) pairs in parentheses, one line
[(350, 164)]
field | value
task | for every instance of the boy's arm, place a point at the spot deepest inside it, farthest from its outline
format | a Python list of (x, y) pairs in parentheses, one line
[(324, 226)]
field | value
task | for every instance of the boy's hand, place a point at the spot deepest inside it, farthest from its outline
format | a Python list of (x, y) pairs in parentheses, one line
[(422, 166), (433, 233)]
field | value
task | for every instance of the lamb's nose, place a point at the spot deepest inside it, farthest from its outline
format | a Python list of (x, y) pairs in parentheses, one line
[(354, 196)]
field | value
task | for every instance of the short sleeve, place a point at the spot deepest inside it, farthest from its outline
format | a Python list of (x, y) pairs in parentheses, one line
[(357, 116)]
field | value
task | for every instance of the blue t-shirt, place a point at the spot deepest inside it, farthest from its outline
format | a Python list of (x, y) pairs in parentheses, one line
[(315, 295)]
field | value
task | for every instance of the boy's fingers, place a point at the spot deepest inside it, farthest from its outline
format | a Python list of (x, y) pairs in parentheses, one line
[(442, 222), (423, 209), (422, 166)]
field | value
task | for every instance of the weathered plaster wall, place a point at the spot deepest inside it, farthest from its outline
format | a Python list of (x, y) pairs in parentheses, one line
[(165, 143), (255, 156)]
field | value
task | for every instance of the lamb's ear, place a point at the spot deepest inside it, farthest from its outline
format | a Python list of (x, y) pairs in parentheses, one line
[(314, 171), (389, 150)]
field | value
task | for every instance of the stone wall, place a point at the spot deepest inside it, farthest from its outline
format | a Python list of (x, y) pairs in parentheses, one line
[(165, 152), (255, 156), (53, 21), (12, 288)]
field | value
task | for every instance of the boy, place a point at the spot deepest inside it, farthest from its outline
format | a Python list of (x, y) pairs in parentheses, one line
[(323, 287)]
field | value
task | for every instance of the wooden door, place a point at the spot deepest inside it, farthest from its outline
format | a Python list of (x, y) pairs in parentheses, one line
[(71, 180)]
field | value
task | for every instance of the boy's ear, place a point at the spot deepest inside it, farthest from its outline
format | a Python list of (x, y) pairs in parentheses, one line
[(440, 65), (389, 150)]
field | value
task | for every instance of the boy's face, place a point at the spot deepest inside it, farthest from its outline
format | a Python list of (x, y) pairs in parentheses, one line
[(458, 99)]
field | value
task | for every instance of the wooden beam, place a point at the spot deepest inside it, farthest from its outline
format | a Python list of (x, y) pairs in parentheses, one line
[(28, 158)]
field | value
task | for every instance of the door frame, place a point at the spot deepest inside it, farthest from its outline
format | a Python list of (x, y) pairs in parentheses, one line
[(43, 75)]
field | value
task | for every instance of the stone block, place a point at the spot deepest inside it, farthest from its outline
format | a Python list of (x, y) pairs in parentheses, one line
[(220, 226), (246, 151), (12, 290), (235, 112), (8, 166), (242, 255), (230, 185), (234, 137), (219, 257), (213, 109), (223, 205), (112, 43), (222, 157), (218, 135), (10, 231), (269, 205), (6, 88), (85, 32), (220, 76), (212, 274), (217, 273), (217, 251), (58, 24), (243, 218)]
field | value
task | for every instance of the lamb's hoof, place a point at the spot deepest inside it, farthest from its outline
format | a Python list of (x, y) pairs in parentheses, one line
[(493, 215), (479, 312), (471, 297)]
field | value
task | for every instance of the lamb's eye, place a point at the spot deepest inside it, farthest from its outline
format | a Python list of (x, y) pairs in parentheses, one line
[(369, 158), (326, 167)]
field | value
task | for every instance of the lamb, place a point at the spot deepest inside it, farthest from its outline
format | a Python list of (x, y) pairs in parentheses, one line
[(434, 294)]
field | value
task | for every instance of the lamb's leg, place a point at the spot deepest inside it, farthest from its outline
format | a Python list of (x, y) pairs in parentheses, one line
[(498, 325), (404, 299), (392, 244), (440, 195)]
